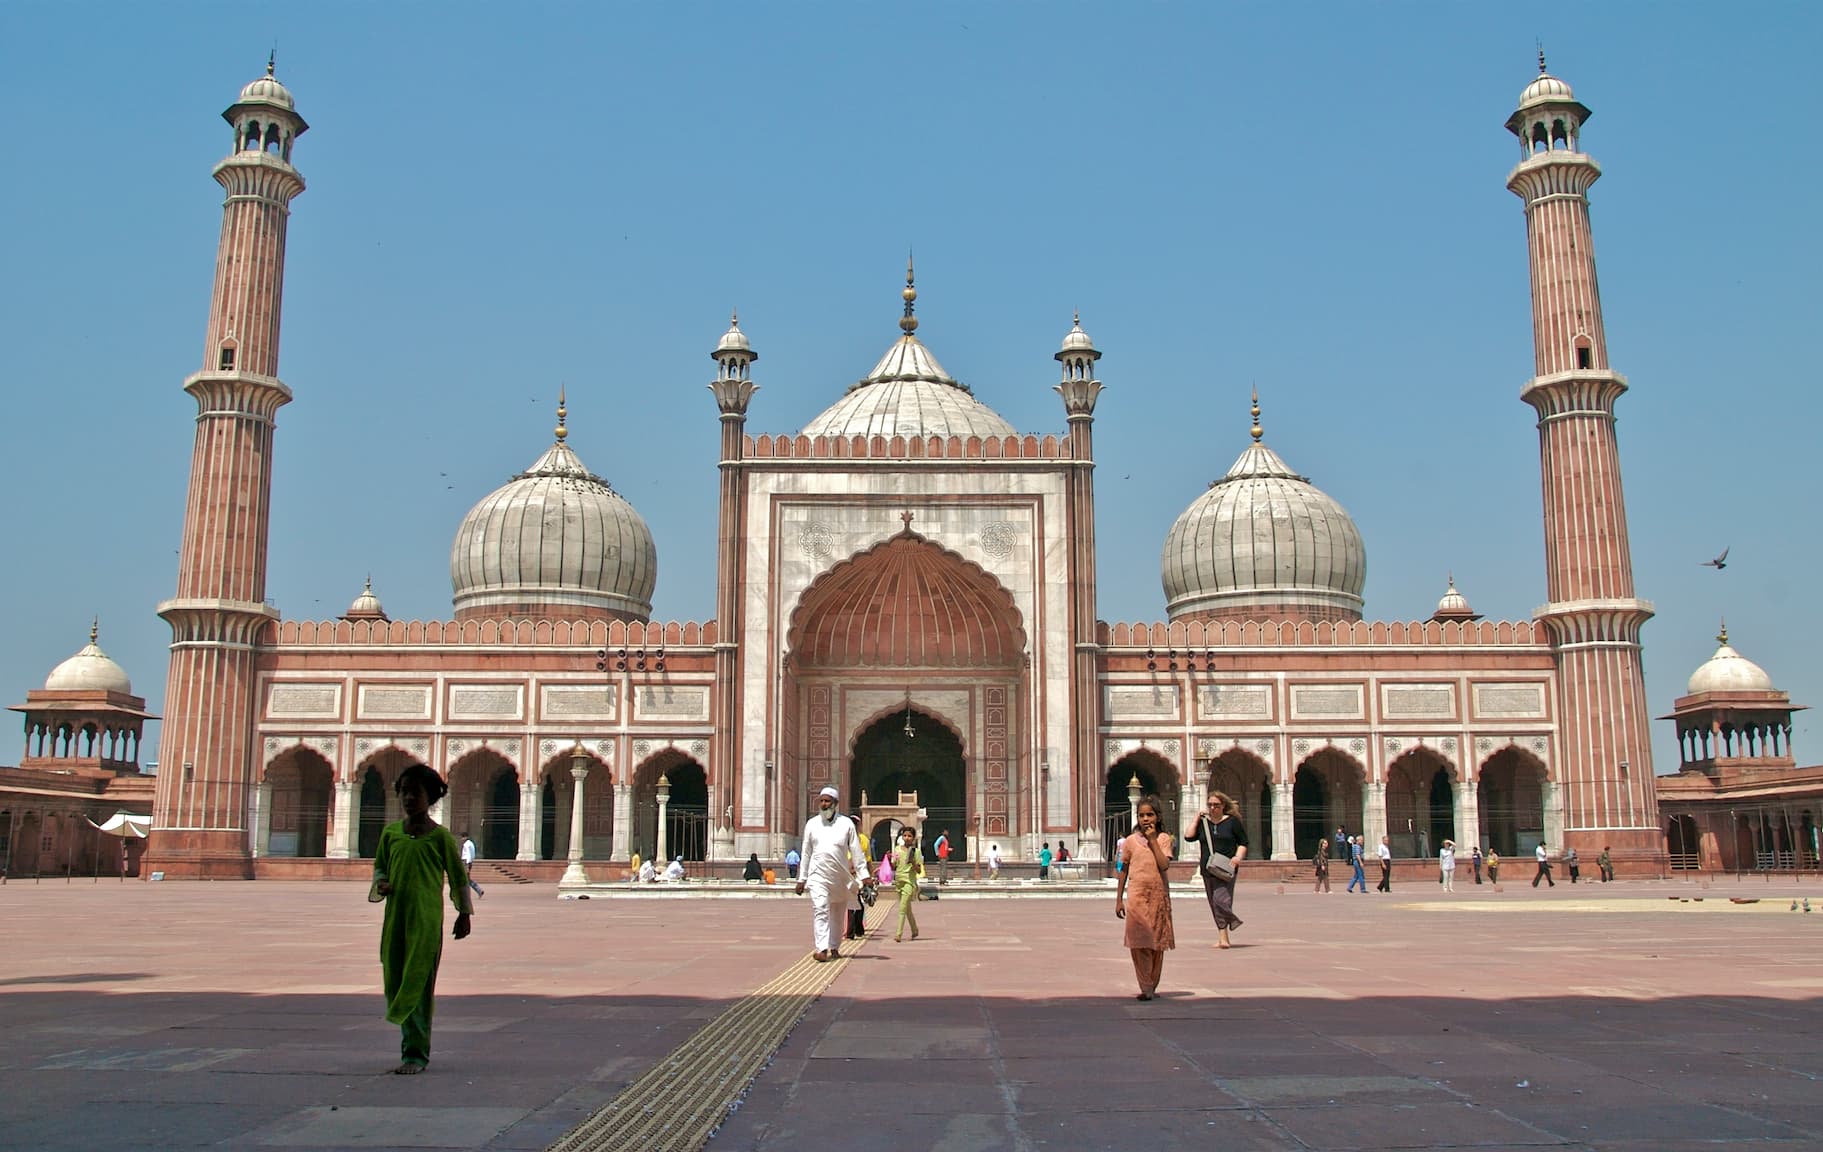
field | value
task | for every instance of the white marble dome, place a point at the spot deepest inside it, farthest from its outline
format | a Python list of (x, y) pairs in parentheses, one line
[(1264, 542), (90, 670), (1728, 671), (908, 394), (554, 541), (267, 90), (1546, 89)]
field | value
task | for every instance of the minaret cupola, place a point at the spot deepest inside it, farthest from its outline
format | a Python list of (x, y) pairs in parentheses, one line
[(1549, 117), (265, 118)]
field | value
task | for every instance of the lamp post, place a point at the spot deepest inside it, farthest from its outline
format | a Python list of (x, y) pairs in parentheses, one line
[(664, 801), (1133, 787), (579, 769)]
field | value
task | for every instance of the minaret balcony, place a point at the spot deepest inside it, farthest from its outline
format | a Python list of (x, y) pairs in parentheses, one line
[(1577, 392)]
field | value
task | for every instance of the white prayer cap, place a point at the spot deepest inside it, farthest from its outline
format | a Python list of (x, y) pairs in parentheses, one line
[(831, 793)]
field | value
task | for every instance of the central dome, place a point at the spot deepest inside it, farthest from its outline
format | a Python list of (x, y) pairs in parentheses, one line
[(90, 670), (555, 541), (908, 394), (1264, 543)]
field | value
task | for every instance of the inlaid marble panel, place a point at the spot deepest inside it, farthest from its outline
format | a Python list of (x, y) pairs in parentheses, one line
[(1418, 701), (1140, 702), (405, 702), (1327, 701), (1510, 701), (305, 701)]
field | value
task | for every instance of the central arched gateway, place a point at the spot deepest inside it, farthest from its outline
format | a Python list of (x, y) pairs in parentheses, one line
[(911, 752), (909, 635)]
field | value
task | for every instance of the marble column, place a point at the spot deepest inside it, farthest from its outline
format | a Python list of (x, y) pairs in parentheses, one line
[(342, 836), (623, 822), (573, 873), (1553, 816), (531, 818), (1284, 825), (1373, 814), (1468, 816), (262, 820)]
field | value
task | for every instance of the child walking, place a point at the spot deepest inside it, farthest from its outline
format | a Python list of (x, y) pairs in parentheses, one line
[(416, 859)]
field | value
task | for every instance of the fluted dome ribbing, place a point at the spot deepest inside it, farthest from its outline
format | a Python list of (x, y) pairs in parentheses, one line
[(555, 541), (1263, 542), (908, 394)]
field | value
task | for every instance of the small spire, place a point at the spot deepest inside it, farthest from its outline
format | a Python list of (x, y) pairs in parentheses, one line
[(909, 323), (563, 415), (1451, 580), (95, 629), (272, 60), (734, 317), (1257, 430), (1541, 71), (367, 585), (1722, 636)]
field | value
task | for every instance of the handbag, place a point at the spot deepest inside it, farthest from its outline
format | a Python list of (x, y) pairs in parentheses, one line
[(1219, 866)]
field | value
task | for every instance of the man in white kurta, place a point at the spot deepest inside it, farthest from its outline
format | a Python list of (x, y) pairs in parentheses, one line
[(831, 863)]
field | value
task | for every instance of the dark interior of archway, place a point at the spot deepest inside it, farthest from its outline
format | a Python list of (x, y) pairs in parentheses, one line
[(547, 821), (1510, 799), (928, 762), (1443, 811), (373, 811), (1116, 805), (500, 822), (1309, 811), (687, 812)]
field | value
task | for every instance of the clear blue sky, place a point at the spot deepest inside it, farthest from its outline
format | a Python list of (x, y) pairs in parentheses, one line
[(507, 198)]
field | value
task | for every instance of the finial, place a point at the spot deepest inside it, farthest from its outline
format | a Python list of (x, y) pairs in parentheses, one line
[(1076, 317), (1541, 58), (272, 60), (1452, 581), (909, 323), (734, 318), (563, 415), (95, 629), (367, 585), (1257, 430), (1722, 636)]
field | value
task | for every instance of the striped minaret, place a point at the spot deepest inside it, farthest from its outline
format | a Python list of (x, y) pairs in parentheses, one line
[(1079, 390), (207, 764), (1603, 762)]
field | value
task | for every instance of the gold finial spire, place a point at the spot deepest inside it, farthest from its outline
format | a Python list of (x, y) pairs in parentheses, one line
[(563, 415), (95, 629), (909, 323), (1722, 636), (1257, 430), (734, 317)]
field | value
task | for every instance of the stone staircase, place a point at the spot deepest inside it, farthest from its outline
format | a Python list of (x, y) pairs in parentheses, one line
[(487, 872)]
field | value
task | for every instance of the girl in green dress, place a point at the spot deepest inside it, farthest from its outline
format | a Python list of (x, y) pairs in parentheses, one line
[(415, 860), (908, 865)]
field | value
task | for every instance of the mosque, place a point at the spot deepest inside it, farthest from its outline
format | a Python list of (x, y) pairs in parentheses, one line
[(905, 603)]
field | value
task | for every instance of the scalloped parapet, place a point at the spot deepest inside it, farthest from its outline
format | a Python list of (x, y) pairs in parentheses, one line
[(787, 447), (526, 633), (1193, 634)]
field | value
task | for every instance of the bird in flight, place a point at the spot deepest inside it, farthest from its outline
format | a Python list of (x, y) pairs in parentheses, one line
[(1719, 563)]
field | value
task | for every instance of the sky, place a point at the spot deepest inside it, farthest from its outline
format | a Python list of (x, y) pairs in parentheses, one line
[(1308, 198)]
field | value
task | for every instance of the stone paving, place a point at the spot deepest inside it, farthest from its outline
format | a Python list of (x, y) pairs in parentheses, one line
[(248, 1016)]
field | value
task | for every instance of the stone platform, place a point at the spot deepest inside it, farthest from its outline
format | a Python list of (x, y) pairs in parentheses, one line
[(247, 1016)]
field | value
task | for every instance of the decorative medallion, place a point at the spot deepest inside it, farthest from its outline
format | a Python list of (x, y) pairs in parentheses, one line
[(1540, 745), (998, 539), (604, 749), (1206, 749), (273, 744), (548, 747), (1263, 747), (818, 539), (1111, 750), (512, 749), (1483, 745), (457, 748), (641, 749), (699, 749), (363, 747), (1357, 746), (1393, 746), (1448, 744)]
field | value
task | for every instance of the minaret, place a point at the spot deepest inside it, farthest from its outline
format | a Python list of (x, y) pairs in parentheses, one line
[(1603, 768), (734, 785), (218, 616), (1079, 390)]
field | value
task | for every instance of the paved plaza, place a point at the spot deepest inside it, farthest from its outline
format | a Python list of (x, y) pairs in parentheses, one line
[(248, 1015)]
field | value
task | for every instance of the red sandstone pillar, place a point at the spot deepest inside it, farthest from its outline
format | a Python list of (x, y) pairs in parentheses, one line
[(1080, 390), (733, 391), (1604, 755), (217, 618)]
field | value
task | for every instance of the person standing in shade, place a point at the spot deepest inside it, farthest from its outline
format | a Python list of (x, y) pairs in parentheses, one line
[(1606, 863), (1357, 865), (1385, 854), (1446, 864), (1493, 866), (1573, 863), (1544, 867), (1146, 862), (1219, 829), (1321, 866), (415, 860), (941, 847), (1475, 859), (833, 864), (1044, 861), (907, 866), (468, 864), (791, 864), (1339, 845)]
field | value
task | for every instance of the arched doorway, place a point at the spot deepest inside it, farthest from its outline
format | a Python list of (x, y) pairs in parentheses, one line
[(547, 820), (1245, 778), (1509, 797), (299, 783), (927, 759), (1420, 803), (1325, 795), (1683, 843), (686, 811), (483, 803), (1158, 778), (378, 802)]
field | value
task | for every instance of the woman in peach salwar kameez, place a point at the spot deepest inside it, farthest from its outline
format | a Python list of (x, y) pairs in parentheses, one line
[(1143, 898)]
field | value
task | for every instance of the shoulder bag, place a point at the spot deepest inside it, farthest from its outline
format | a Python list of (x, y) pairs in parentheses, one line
[(1219, 866)]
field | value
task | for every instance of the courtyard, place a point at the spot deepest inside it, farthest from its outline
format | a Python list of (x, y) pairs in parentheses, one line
[(1637, 1015)]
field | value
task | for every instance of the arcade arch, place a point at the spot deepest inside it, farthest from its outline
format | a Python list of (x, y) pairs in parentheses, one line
[(686, 810), (376, 804), (557, 803), (1157, 777), (299, 784), (1247, 780), (1510, 799), (483, 803), (911, 750), (1420, 803), (1325, 795), (1683, 843)]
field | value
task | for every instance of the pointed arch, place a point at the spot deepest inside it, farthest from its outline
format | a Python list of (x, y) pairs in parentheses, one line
[(299, 784), (1326, 793), (1510, 800), (1157, 776), (1247, 780), (1420, 801)]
